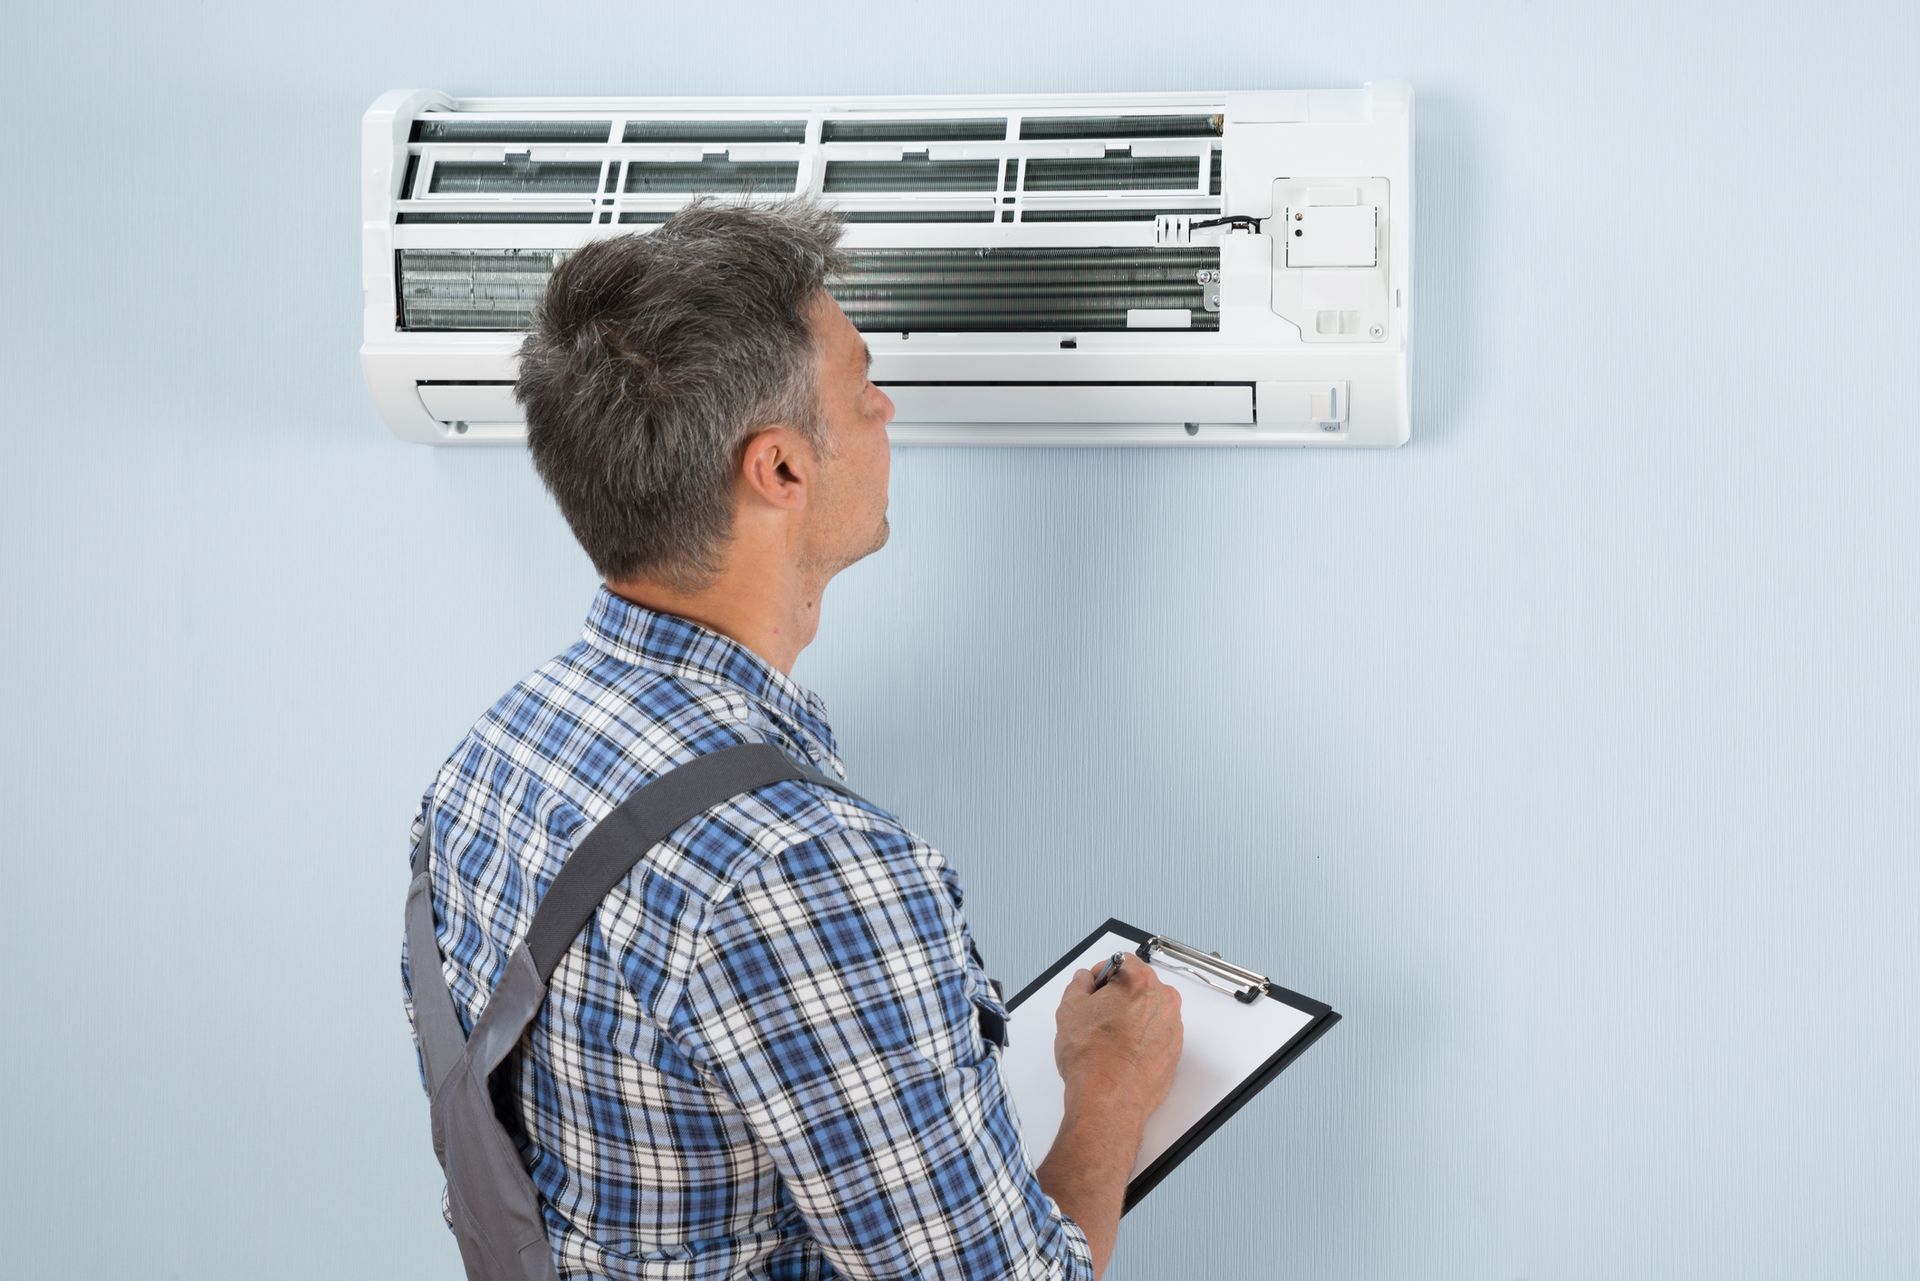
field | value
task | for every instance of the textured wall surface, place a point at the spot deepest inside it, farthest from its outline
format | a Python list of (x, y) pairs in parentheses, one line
[(1570, 751)]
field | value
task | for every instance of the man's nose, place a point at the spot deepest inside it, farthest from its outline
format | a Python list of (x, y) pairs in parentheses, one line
[(889, 402)]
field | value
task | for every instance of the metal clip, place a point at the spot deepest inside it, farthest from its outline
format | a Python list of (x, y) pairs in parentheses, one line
[(1237, 981)]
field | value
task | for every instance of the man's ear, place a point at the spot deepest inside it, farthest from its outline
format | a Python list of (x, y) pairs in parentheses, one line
[(779, 466)]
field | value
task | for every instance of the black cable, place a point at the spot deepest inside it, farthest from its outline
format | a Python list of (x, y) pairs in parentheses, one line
[(1237, 220)]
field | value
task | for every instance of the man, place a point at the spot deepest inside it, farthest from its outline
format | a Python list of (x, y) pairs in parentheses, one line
[(763, 1055)]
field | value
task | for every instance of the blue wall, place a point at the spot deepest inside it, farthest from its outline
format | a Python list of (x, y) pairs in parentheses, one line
[(1570, 751)]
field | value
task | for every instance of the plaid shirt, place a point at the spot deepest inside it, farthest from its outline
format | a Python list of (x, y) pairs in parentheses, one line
[(761, 1057)]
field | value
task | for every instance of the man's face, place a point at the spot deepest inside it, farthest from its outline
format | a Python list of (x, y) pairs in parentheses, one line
[(852, 515)]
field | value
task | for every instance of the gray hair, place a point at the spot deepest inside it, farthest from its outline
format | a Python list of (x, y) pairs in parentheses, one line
[(652, 359)]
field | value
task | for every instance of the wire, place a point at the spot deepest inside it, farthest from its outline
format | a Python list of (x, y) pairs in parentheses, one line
[(1237, 220)]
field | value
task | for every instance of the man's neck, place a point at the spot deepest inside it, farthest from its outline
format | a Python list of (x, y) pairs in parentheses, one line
[(774, 615)]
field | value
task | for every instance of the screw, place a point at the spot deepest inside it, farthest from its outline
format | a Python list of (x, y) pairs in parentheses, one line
[(1377, 331), (1213, 300)]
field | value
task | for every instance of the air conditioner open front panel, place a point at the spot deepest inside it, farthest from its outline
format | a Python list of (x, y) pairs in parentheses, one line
[(1026, 271)]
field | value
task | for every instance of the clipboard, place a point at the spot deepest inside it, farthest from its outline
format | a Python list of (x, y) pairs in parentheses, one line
[(1225, 1071)]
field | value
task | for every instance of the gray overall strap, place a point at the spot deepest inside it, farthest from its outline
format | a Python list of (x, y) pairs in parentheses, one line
[(602, 860), (496, 1211)]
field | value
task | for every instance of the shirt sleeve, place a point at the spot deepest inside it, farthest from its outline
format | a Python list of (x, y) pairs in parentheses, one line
[(832, 1002)]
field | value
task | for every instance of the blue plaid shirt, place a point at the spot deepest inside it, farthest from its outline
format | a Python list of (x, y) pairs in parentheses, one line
[(761, 1057)]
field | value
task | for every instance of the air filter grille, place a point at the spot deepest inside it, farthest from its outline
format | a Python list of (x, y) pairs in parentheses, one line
[(714, 173), (982, 130), (515, 173), (715, 131), (1141, 126), (1115, 173), (445, 129), (878, 168), (912, 175)]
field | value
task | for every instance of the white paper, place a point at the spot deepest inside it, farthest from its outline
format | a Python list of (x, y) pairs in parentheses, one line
[(1225, 1042)]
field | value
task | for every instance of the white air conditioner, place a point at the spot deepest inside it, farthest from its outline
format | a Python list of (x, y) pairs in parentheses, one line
[(1030, 269)]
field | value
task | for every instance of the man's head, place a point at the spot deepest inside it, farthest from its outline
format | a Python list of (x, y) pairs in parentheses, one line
[(696, 384)]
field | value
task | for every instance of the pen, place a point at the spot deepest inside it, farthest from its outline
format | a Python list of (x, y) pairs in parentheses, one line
[(1108, 971)]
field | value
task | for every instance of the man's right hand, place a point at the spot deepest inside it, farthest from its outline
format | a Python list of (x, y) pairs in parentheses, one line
[(1116, 1049), (1121, 1044)]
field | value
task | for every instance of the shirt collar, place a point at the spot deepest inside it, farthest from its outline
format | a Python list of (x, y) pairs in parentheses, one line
[(681, 647)]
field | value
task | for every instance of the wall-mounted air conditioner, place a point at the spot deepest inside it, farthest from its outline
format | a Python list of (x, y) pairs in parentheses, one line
[(1032, 269)]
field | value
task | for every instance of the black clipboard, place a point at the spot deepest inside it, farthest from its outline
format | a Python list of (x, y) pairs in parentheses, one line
[(1322, 1017)]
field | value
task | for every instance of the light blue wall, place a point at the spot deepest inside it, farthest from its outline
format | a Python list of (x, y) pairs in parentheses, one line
[(1570, 751)]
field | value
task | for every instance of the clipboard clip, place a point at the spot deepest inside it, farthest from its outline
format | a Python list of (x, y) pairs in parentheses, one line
[(1237, 981)]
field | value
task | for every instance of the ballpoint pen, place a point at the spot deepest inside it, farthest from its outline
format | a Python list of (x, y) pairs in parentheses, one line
[(1108, 971)]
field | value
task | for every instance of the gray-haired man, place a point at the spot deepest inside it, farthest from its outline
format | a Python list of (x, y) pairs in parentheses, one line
[(763, 1056)]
